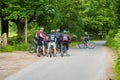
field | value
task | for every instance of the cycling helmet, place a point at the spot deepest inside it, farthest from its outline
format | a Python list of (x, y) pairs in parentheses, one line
[(41, 28), (65, 31), (86, 33), (58, 30), (52, 30)]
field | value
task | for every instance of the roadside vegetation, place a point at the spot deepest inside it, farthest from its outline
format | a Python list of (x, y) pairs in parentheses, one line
[(113, 41)]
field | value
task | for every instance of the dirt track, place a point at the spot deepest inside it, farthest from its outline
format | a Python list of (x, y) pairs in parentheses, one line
[(15, 61)]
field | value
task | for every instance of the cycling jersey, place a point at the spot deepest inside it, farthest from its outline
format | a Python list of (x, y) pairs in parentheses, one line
[(52, 37), (86, 37), (39, 39)]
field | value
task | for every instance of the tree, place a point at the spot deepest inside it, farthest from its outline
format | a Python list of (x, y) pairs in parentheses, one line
[(4, 23)]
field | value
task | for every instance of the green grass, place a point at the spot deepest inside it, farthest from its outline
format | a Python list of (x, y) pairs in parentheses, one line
[(8, 48), (16, 47), (11, 34), (73, 44)]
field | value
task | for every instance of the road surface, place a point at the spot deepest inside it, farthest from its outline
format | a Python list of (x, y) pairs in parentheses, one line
[(83, 64)]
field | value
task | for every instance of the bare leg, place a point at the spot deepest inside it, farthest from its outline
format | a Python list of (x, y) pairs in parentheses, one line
[(37, 52), (55, 51), (43, 50)]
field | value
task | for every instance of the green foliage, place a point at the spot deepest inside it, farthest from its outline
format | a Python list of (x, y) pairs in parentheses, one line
[(76, 16), (73, 44), (8, 48), (113, 40), (21, 47), (117, 68), (110, 38)]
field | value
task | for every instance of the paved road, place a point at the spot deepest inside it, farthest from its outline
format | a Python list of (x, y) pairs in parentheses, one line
[(83, 64)]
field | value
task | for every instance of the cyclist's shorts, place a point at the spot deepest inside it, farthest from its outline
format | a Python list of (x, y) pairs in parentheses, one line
[(66, 44), (51, 43), (38, 46)]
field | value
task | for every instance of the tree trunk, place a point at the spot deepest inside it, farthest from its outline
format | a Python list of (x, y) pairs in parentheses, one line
[(20, 27), (4, 26), (4, 23), (26, 30)]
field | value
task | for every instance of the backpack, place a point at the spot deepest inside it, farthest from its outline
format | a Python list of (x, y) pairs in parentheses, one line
[(65, 37), (52, 37), (58, 36)]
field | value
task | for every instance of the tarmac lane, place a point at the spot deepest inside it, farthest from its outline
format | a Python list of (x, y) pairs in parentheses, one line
[(83, 64)]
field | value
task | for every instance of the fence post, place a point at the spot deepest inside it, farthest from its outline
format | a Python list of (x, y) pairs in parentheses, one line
[(26, 30), (4, 39)]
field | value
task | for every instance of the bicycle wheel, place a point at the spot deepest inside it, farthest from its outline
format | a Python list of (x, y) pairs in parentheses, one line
[(91, 45), (64, 51), (82, 46), (40, 51), (31, 48), (51, 51), (57, 49)]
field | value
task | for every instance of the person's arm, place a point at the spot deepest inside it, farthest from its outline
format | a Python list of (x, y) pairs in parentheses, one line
[(41, 35), (55, 38), (36, 35), (69, 39)]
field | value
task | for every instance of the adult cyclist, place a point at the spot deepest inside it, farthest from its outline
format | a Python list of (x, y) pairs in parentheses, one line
[(59, 39), (86, 38), (52, 41), (65, 40), (40, 37)]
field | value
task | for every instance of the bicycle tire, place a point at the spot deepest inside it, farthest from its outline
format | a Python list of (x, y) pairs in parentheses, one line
[(40, 51), (82, 46), (64, 51), (31, 48), (92, 45), (51, 52)]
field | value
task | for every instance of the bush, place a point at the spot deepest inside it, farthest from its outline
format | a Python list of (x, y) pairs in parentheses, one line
[(21, 47), (113, 41), (16, 40), (73, 38), (117, 68), (73, 44), (8, 48)]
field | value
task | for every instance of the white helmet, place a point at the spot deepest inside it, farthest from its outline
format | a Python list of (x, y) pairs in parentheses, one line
[(58, 30), (41, 28), (65, 31)]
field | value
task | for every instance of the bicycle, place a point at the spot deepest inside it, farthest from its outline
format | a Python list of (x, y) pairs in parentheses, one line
[(51, 50), (64, 50), (83, 45), (32, 46), (58, 48), (40, 51)]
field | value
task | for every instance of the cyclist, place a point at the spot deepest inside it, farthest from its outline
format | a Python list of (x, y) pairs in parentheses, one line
[(52, 40), (40, 37), (59, 38), (65, 40), (86, 38)]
